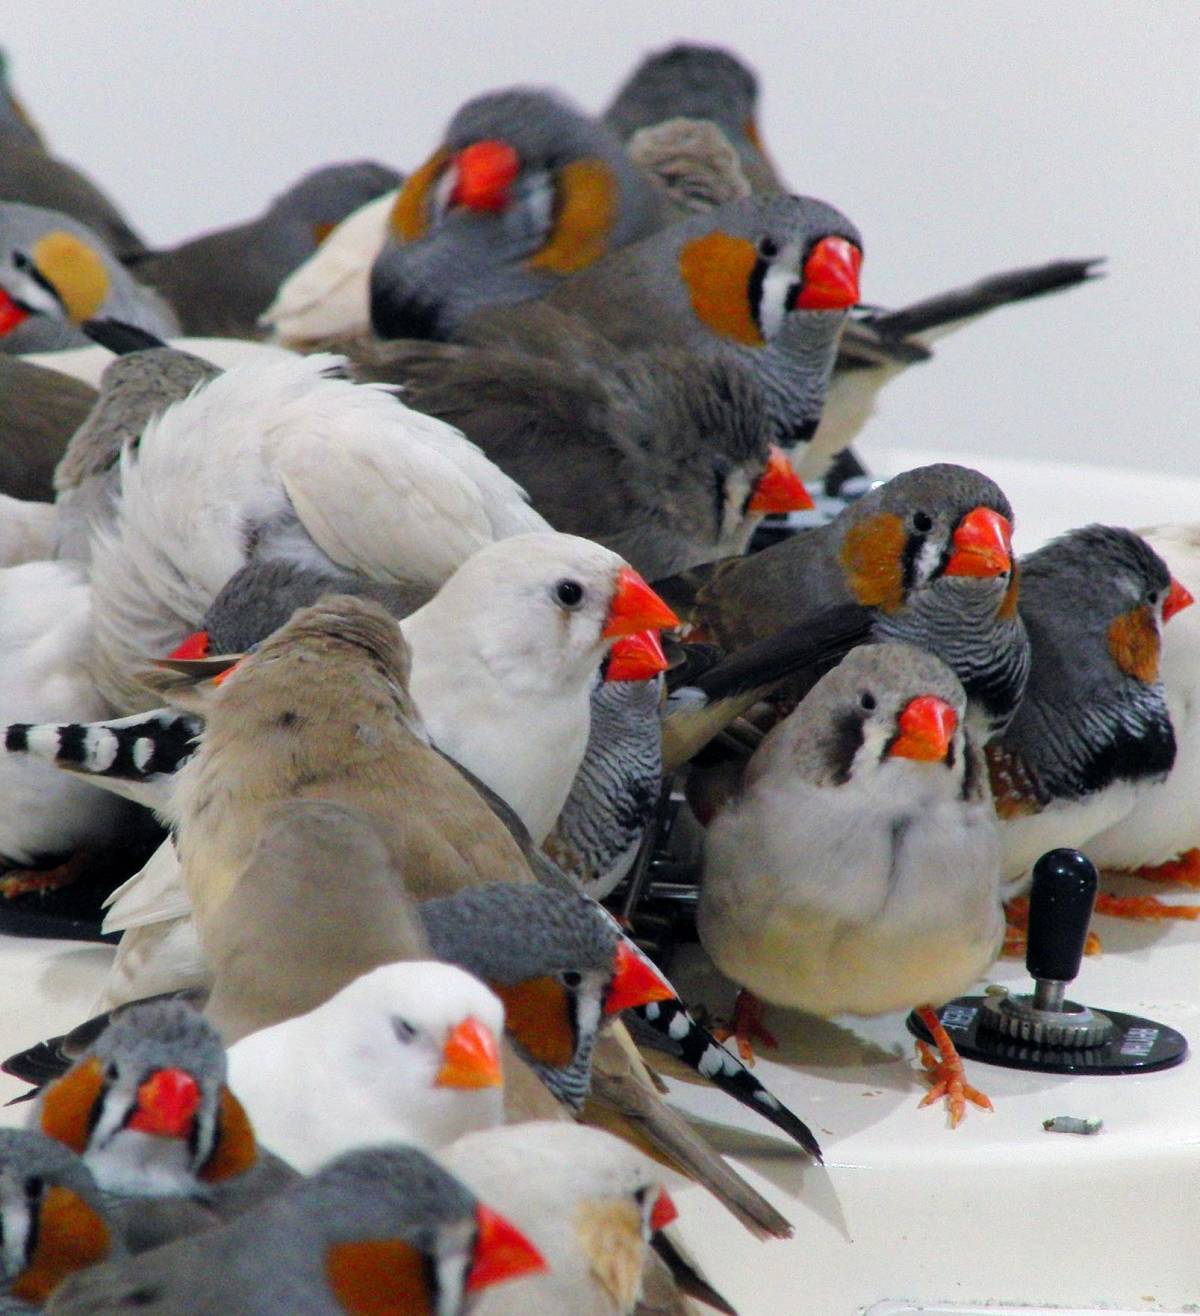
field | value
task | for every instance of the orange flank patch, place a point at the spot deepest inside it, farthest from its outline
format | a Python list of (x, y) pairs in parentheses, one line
[(587, 210), (409, 219), (537, 1014), (67, 1105), (236, 1149), (1133, 643), (1014, 791), (70, 1236), (383, 1277), (871, 556), (716, 271)]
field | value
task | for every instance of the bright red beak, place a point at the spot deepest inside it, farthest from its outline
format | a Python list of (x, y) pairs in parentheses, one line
[(11, 314), (166, 1103), (1178, 598), (486, 171), (927, 726), (471, 1058), (635, 981), (779, 488), (501, 1251), (636, 658), (982, 545), (830, 276), (663, 1211), (635, 607), (195, 646)]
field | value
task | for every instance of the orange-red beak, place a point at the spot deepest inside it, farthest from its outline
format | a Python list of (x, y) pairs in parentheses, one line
[(501, 1251), (486, 171), (471, 1058), (927, 726), (982, 545), (830, 276), (195, 646), (1178, 598), (663, 1211), (636, 658), (779, 488), (635, 981), (11, 314), (635, 607), (166, 1104)]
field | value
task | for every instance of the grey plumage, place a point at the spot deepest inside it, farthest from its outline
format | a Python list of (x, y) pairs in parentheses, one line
[(220, 282), (39, 411)]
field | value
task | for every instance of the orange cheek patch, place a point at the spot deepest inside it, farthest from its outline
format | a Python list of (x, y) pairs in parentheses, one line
[(753, 136), (409, 218), (67, 1105), (537, 1014), (588, 209), (716, 271), (384, 1277), (70, 1236), (236, 1150), (1133, 643), (871, 557), (75, 270)]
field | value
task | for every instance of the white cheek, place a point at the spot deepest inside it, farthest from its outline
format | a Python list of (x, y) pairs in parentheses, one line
[(14, 1212), (772, 306), (927, 560)]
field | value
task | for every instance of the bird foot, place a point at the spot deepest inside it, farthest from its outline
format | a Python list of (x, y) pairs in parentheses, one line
[(1184, 870), (1016, 931), (946, 1071), (748, 1027), (21, 881), (1143, 907)]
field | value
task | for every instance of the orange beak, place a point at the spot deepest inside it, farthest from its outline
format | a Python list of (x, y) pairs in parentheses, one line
[(635, 607), (927, 725), (471, 1058), (636, 658), (1178, 598), (635, 981), (663, 1211), (779, 488), (982, 545), (11, 314), (486, 171), (830, 276), (195, 646), (501, 1251), (166, 1103)]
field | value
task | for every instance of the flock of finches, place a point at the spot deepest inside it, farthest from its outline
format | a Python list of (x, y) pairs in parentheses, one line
[(348, 588)]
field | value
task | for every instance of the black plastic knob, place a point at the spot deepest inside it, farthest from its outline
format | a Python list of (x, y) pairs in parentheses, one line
[(1060, 909)]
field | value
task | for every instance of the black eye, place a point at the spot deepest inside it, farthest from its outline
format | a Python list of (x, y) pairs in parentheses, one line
[(922, 522), (404, 1031), (111, 1073), (768, 249), (1152, 597), (571, 978), (569, 593), (21, 261), (867, 700)]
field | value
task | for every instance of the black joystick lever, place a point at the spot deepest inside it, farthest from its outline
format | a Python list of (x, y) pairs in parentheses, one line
[(1044, 1030)]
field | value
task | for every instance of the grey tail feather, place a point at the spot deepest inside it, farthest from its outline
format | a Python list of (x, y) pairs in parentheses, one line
[(700, 1051), (996, 290), (120, 338), (139, 748)]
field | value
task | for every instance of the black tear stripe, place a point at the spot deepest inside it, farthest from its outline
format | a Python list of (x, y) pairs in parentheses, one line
[(843, 743), (704, 1055), (754, 292)]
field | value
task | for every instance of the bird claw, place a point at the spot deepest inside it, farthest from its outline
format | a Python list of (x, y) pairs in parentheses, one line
[(21, 881), (1016, 931), (1184, 870), (747, 1027), (946, 1071), (1143, 907)]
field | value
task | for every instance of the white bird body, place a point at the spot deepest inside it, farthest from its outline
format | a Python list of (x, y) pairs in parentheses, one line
[(329, 295), (87, 364), (362, 1068), (28, 531)]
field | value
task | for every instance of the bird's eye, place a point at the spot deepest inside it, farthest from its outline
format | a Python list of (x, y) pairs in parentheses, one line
[(922, 522), (111, 1073), (21, 261), (571, 978), (404, 1031), (867, 701), (569, 593), (1152, 598), (768, 249)]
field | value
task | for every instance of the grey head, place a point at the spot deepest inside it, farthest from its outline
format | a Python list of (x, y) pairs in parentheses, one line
[(55, 273), (697, 82), (524, 191), (1094, 602), (770, 279), (549, 955), (15, 124)]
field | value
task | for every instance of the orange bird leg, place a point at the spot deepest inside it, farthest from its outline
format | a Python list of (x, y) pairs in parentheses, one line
[(1184, 870), (1016, 932), (1143, 907), (946, 1073), (21, 881), (748, 1027)]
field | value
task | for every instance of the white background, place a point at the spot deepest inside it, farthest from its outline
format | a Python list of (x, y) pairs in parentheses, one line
[(962, 137)]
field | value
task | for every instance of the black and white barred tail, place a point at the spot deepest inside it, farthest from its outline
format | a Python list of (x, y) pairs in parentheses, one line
[(700, 1051)]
